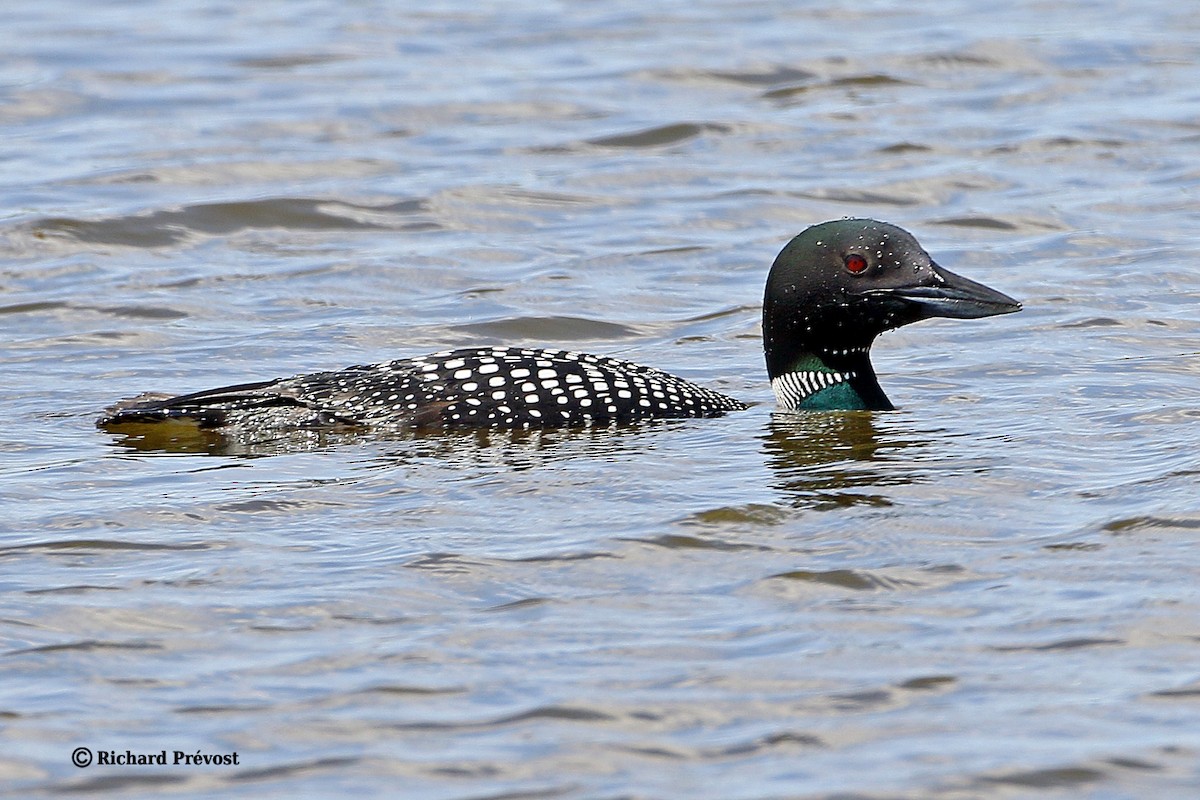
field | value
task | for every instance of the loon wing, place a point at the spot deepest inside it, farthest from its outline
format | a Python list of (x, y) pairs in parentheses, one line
[(208, 409)]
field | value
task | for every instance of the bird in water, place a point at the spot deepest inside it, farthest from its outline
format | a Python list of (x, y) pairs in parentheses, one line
[(831, 291)]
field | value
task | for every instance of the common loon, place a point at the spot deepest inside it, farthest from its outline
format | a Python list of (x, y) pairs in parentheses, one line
[(830, 292)]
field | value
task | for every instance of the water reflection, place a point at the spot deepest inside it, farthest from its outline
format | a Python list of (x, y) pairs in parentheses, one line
[(515, 449), (181, 438), (820, 459)]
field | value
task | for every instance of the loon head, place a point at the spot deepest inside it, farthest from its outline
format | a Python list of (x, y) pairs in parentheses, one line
[(836, 287)]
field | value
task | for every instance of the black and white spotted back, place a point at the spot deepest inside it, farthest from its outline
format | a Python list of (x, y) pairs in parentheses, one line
[(509, 387), (502, 387)]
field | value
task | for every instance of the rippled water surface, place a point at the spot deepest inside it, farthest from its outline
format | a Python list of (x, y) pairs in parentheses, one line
[(991, 592)]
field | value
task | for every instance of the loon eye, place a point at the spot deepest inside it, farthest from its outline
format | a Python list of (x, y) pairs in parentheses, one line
[(855, 264)]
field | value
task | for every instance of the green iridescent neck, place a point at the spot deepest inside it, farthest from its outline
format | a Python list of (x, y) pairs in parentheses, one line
[(839, 397)]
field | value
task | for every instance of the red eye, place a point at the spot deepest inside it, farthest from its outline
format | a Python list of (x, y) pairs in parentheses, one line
[(855, 263)]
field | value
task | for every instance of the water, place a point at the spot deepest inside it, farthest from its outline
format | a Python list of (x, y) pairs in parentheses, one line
[(989, 593)]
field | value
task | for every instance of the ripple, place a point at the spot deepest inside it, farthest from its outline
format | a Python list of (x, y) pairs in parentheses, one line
[(987, 223), (549, 329), (1189, 692), (1094, 322), (766, 76), (645, 138), (232, 708), (74, 545), (1056, 143), (34, 307), (519, 605), (1080, 643), (659, 136), (77, 589), (299, 768), (755, 514), (681, 542), (929, 683), (86, 646), (905, 147), (866, 80), (858, 580), (234, 173), (1060, 778), (172, 227), (260, 505), (285, 62), (561, 713), (786, 740), (1145, 523), (121, 784), (409, 690)]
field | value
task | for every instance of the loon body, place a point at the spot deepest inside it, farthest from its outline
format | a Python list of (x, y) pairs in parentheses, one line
[(830, 292)]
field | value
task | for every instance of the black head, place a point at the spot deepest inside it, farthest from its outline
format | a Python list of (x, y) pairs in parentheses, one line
[(838, 285)]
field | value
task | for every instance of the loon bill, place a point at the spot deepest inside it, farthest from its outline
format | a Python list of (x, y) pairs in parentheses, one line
[(831, 291)]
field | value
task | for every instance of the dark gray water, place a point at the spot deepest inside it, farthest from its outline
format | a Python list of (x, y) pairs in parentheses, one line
[(989, 593)]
